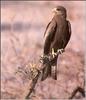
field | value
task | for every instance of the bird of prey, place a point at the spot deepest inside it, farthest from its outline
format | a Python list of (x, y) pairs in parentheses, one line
[(57, 36)]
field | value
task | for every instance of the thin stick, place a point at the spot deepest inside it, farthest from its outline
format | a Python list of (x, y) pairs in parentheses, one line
[(78, 89), (34, 81), (47, 64)]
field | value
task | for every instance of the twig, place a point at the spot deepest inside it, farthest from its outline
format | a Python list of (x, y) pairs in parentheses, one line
[(34, 81), (49, 62), (78, 89)]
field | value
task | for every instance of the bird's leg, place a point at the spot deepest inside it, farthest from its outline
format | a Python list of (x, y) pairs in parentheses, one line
[(50, 62), (53, 54)]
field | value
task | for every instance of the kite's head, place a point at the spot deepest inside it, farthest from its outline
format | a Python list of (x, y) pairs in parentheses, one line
[(60, 10)]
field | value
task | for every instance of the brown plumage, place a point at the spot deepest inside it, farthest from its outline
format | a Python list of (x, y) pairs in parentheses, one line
[(57, 35)]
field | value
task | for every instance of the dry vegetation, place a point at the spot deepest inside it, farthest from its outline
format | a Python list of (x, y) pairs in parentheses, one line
[(23, 25)]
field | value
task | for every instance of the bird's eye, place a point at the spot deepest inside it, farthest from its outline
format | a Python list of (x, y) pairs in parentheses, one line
[(58, 9)]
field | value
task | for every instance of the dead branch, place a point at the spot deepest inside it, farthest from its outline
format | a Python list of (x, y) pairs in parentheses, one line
[(34, 81), (34, 74), (78, 89), (49, 61)]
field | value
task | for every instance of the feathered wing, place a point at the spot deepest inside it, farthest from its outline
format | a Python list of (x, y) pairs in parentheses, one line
[(49, 36), (47, 28), (69, 27), (67, 36)]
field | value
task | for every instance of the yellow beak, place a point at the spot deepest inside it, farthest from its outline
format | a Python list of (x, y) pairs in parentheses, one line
[(56, 11)]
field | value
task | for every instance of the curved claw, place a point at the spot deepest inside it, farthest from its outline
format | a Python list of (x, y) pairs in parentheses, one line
[(60, 51)]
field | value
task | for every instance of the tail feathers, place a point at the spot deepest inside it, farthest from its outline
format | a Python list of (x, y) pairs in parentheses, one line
[(46, 72), (54, 72), (49, 71)]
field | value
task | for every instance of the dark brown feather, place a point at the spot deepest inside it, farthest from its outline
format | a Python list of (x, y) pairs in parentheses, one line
[(57, 36), (49, 36)]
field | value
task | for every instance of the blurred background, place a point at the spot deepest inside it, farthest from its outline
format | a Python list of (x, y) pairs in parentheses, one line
[(22, 27)]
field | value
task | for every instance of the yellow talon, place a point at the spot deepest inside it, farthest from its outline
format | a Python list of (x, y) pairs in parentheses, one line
[(60, 51), (53, 53)]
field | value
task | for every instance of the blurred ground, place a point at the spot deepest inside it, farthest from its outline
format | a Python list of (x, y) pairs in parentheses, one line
[(22, 27)]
